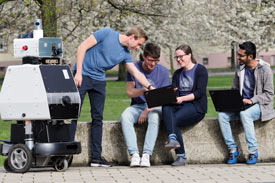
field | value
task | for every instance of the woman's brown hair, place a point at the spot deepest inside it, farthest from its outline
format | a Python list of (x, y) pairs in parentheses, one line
[(187, 50)]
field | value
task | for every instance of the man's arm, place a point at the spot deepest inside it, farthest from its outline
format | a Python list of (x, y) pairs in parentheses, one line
[(267, 93), (138, 75), (81, 50), (132, 91)]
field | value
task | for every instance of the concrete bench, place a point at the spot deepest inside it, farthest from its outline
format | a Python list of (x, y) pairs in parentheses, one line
[(203, 143)]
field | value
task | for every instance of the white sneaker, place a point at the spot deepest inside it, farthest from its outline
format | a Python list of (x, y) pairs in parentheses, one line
[(135, 161), (145, 160)]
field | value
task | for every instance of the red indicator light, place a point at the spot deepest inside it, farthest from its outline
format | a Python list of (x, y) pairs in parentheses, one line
[(25, 47)]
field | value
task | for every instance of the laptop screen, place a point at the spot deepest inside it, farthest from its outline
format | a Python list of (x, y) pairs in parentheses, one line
[(227, 100), (160, 96)]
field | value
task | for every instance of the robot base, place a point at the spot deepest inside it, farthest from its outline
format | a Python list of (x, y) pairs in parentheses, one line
[(43, 154)]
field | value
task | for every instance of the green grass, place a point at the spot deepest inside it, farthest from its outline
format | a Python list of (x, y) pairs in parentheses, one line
[(117, 100), (4, 134)]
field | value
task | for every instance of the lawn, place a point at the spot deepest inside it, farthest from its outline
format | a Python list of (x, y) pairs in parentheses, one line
[(117, 100)]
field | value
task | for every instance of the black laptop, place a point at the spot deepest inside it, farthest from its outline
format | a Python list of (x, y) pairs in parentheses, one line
[(160, 96), (228, 100)]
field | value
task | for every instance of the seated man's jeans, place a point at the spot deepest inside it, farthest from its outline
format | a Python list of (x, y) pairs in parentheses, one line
[(247, 117), (130, 117)]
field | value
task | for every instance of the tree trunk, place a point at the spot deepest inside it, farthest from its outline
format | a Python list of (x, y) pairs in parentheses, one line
[(171, 60), (233, 54), (122, 72), (49, 19)]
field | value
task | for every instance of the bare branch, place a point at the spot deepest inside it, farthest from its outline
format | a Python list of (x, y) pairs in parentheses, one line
[(127, 8), (5, 1), (39, 2)]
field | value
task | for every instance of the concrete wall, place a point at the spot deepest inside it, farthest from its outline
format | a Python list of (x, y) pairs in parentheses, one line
[(203, 143)]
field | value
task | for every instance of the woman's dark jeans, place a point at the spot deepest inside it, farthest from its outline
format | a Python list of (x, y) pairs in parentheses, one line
[(176, 116)]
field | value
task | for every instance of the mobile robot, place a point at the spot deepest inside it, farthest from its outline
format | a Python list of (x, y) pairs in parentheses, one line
[(40, 95)]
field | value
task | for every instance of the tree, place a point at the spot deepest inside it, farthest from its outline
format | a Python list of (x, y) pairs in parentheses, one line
[(76, 20), (204, 25), (239, 21), (119, 15), (49, 17), (25, 12)]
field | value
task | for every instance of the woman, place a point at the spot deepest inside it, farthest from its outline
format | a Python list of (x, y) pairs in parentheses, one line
[(190, 83)]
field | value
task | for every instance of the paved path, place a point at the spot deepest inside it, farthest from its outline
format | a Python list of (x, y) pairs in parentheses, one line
[(214, 173)]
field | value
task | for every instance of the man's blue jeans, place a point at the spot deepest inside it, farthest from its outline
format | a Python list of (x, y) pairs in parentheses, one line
[(130, 117), (96, 91), (247, 117)]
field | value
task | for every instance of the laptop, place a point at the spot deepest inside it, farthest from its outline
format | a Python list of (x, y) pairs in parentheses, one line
[(160, 96), (228, 100)]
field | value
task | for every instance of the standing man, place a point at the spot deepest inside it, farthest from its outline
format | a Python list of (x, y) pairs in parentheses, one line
[(101, 51), (138, 112), (254, 79)]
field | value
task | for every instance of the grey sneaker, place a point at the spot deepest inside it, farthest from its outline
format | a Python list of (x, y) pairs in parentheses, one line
[(172, 144), (180, 162)]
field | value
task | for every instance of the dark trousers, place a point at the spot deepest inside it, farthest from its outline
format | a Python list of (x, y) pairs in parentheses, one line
[(176, 116), (97, 92)]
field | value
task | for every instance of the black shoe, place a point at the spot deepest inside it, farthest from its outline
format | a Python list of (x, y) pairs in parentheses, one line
[(96, 162)]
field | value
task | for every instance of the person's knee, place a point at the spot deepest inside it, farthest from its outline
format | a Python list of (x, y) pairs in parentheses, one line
[(97, 116), (126, 118), (123, 117), (154, 115), (97, 123), (166, 108), (222, 117), (154, 119), (244, 115)]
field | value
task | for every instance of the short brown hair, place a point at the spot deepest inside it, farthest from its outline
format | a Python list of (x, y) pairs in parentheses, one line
[(151, 50), (138, 32)]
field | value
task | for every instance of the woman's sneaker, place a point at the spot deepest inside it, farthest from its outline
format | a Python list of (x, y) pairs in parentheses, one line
[(135, 161), (233, 156), (252, 158), (172, 144), (180, 161)]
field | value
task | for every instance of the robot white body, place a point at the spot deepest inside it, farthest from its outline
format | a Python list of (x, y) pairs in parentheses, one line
[(26, 93), (23, 95)]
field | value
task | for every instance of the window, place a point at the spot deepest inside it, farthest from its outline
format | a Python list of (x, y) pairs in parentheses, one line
[(205, 61), (262, 57), (2, 69), (229, 60), (273, 59), (2, 44)]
